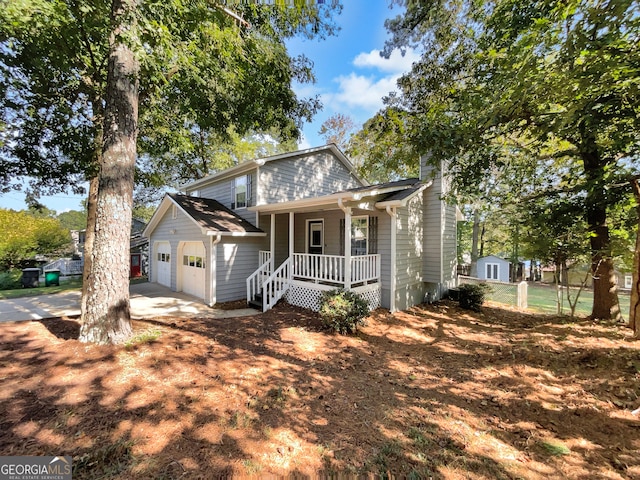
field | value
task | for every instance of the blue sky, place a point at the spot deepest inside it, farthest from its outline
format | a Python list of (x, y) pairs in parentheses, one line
[(351, 77)]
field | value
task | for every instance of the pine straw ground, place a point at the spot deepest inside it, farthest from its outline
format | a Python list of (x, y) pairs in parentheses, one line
[(433, 392)]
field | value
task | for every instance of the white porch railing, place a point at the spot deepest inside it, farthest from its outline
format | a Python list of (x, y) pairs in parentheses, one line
[(263, 257), (319, 269), (331, 268), (257, 278), (66, 266), (276, 285)]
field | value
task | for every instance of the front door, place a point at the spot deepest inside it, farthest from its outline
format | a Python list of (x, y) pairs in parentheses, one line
[(315, 237)]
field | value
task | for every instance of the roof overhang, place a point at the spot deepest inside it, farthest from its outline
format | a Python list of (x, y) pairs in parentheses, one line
[(403, 202), (333, 200)]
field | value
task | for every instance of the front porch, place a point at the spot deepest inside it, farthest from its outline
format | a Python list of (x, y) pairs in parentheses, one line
[(303, 277)]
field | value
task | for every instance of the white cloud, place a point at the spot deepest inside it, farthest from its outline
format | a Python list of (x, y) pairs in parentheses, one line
[(359, 91), (396, 63), (303, 143)]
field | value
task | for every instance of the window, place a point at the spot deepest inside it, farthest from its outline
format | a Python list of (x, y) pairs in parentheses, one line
[(164, 257), (493, 271), (359, 235), (241, 192), (628, 280), (192, 261), (364, 235)]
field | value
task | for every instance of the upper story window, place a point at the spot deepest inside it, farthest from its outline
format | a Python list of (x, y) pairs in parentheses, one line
[(241, 192)]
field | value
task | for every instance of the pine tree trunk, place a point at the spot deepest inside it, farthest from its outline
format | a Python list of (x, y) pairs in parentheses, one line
[(634, 310), (605, 294), (106, 314)]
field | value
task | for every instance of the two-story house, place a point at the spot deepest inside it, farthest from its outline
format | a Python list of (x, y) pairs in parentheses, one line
[(297, 224)]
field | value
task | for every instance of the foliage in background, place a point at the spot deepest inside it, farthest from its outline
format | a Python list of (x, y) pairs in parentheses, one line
[(343, 310), (25, 236), (553, 81)]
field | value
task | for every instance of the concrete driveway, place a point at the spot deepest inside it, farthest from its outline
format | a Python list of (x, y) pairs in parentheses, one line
[(147, 300)]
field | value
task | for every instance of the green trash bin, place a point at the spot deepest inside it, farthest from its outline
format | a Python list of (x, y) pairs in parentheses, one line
[(51, 277)]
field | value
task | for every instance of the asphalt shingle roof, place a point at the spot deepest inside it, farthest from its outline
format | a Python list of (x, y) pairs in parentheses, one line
[(212, 215)]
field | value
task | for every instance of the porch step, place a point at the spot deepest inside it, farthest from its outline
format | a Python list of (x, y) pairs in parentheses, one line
[(256, 302)]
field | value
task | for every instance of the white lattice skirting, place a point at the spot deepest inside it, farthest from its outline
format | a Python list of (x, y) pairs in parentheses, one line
[(309, 295)]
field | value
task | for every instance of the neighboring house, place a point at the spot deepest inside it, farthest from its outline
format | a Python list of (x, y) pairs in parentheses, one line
[(494, 268), (297, 224), (139, 248)]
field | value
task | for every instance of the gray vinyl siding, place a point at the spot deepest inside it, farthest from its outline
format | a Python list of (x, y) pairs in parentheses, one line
[(221, 191), (410, 289), (186, 231), (303, 177), (236, 259), (440, 242)]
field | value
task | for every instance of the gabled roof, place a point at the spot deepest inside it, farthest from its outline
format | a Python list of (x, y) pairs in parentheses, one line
[(211, 216), (251, 164)]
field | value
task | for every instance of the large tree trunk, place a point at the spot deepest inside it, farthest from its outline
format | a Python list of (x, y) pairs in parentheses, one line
[(634, 310), (605, 295), (105, 314)]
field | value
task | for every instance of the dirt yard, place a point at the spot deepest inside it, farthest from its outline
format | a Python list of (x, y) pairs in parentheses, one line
[(434, 392)]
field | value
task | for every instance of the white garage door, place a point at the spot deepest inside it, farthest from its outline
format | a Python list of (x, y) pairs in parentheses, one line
[(163, 264), (193, 271)]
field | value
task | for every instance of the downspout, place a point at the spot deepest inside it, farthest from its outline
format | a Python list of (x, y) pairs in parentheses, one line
[(347, 243), (212, 268), (394, 220)]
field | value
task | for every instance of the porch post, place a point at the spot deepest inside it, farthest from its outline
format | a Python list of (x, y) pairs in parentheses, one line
[(347, 248), (272, 241), (291, 233)]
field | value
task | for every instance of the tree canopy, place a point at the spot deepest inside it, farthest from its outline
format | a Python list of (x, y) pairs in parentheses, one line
[(552, 81), (24, 236)]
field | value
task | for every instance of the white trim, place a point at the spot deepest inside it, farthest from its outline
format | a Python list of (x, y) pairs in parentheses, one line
[(495, 270), (306, 234), (334, 198), (628, 281), (212, 297), (359, 217), (291, 233), (394, 223)]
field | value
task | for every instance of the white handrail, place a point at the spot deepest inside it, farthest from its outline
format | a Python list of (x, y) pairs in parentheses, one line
[(276, 285), (330, 268), (256, 279)]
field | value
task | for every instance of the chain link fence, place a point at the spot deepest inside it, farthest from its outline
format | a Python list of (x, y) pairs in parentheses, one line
[(508, 293)]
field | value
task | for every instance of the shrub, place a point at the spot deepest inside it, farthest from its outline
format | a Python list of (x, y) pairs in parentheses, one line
[(343, 310), (471, 296), (10, 279)]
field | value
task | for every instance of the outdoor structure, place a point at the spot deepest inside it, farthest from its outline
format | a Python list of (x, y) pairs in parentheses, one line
[(297, 224), (494, 268)]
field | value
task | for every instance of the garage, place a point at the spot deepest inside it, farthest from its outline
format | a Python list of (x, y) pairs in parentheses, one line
[(163, 264), (192, 266)]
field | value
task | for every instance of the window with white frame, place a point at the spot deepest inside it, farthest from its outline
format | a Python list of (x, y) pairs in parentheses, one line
[(359, 235), (628, 280), (493, 271), (241, 192)]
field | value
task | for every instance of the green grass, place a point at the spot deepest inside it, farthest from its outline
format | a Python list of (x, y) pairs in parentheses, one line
[(556, 449), (71, 284), (74, 284), (543, 299)]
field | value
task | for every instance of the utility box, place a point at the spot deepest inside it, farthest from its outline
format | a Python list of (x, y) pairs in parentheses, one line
[(30, 277), (51, 277)]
